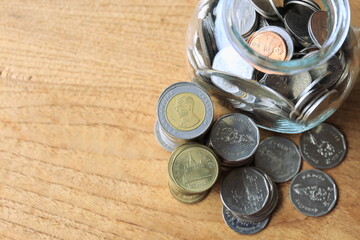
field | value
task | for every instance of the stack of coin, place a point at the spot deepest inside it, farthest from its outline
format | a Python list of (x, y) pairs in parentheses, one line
[(235, 138), (249, 196), (193, 170), (185, 113), (293, 29)]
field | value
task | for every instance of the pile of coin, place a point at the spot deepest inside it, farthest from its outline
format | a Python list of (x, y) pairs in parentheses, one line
[(185, 113), (193, 170), (292, 29), (248, 191), (249, 196)]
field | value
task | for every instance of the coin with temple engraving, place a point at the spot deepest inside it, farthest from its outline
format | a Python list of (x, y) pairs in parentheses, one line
[(245, 191), (194, 168), (269, 44), (323, 147), (186, 198), (313, 193), (241, 226), (279, 158)]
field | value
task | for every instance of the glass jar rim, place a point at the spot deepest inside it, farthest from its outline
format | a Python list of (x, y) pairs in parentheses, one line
[(340, 22)]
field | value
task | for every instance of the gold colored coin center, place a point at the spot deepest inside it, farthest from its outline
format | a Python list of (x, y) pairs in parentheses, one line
[(185, 111), (195, 169)]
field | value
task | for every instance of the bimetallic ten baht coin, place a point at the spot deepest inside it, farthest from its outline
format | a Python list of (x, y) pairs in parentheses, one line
[(235, 137), (240, 226), (279, 158), (194, 168), (185, 111), (313, 193), (323, 147)]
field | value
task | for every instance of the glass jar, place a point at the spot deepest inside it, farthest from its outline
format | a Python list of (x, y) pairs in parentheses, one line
[(289, 95)]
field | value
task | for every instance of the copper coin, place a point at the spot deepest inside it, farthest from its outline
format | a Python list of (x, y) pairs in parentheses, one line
[(269, 44)]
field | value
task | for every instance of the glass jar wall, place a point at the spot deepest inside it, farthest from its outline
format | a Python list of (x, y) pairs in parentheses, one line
[(287, 64)]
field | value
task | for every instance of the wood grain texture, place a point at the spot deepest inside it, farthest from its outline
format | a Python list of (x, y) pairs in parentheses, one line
[(78, 159)]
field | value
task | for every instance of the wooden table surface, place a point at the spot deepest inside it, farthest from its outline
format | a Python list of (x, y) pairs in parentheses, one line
[(78, 159)]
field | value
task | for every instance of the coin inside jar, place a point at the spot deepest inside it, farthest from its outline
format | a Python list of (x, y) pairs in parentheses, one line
[(318, 27), (269, 44)]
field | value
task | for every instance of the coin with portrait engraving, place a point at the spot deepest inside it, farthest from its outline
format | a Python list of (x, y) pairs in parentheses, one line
[(235, 137), (279, 158), (194, 168), (245, 191), (185, 111), (313, 193), (165, 142), (240, 226), (323, 147)]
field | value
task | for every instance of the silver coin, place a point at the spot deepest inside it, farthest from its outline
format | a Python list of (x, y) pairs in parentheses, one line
[(285, 36), (240, 226), (172, 91), (167, 145), (335, 70), (245, 26), (247, 17), (298, 83), (313, 193), (315, 98), (324, 107), (297, 26), (244, 191), (265, 8), (204, 47), (209, 35), (323, 147), (228, 60), (278, 83), (257, 96), (302, 7), (277, 6), (235, 137), (279, 158), (315, 85), (305, 99)]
